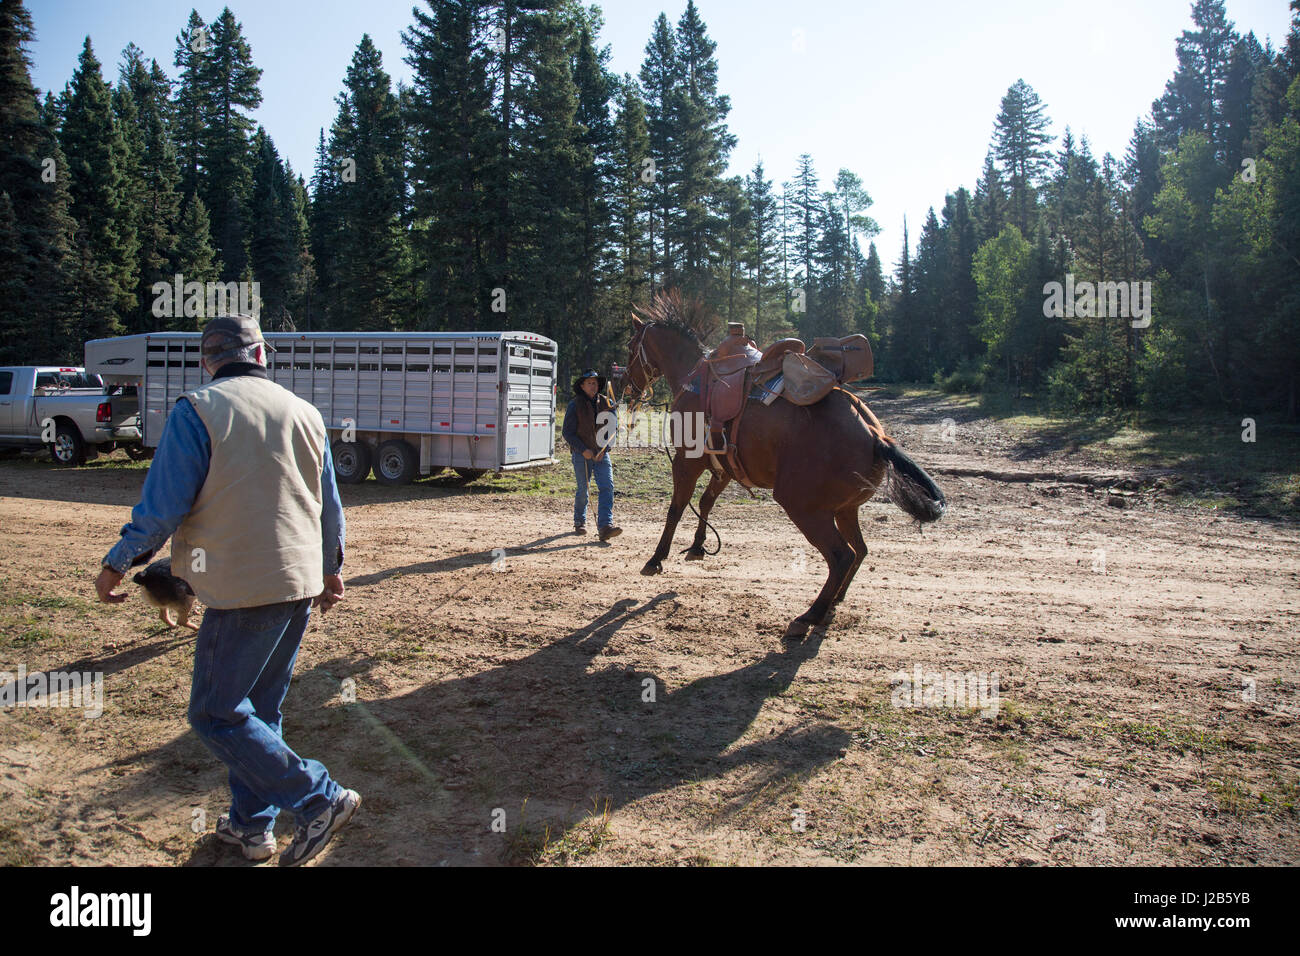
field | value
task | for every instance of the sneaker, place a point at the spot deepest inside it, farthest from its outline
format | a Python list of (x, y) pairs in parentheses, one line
[(256, 846), (309, 839), (610, 532), (579, 529)]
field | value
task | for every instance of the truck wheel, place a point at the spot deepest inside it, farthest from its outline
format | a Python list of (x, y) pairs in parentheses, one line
[(397, 463), (351, 461), (68, 449), (469, 474)]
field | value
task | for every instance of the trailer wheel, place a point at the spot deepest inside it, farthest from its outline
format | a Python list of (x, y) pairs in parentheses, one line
[(138, 452), (68, 449), (397, 463), (469, 474), (351, 461)]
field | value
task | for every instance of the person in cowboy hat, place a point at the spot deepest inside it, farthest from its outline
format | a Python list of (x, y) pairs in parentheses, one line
[(590, 427)]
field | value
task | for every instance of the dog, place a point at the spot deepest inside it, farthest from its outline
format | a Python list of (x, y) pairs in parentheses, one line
[(166, 592)]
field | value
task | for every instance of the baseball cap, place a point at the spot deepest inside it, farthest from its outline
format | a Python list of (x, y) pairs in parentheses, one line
[(229, 333)]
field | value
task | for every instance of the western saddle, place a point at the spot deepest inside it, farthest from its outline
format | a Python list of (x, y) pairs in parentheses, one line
[(725, 378)]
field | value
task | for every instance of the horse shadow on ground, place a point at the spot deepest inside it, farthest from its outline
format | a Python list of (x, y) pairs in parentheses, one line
[(465, 559), (538, 742)]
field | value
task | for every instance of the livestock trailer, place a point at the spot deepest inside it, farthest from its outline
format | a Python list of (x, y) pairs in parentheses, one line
[(406, 402)]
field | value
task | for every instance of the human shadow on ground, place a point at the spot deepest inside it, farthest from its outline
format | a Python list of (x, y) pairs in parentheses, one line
[(541, 739)]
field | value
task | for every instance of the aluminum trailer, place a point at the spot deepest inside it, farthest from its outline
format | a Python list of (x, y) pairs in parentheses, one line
[(405, 402)]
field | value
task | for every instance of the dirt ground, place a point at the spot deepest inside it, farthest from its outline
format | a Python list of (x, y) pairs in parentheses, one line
[(1145, 659)]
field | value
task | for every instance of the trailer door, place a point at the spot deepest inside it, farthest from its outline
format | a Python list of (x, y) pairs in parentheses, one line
[(541, 400), (516, 415)]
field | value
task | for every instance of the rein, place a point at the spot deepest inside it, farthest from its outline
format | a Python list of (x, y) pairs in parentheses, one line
[(652, 373)]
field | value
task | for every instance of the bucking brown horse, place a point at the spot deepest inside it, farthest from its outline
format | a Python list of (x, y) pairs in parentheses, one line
[(822, 461)]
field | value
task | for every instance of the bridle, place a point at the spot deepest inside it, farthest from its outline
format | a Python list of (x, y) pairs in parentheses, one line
[(642, 364)]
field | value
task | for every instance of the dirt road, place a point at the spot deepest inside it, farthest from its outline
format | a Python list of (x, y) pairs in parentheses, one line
[(523, 695)]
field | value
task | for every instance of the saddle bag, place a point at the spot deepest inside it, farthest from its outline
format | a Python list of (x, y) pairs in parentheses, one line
[(804, 382), (848, 359)]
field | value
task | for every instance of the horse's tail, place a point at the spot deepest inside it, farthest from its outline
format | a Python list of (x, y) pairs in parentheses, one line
[(910, 487)]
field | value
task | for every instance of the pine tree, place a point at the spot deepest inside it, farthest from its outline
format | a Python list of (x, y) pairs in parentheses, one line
[(453, 142), (192, 107), (630, 198), (1141, 174), (736, 216), (905, 344), (764, 246), (325, 229), (35, 227), (195, 260), (959, 296), (990, 201), (105, 247), (805, 216), (1193, 98), (873, 275), (274, 251), (1020, 141), (928, 276), (229, 84), (595, 144), (703, 142), (370, 250), (549, 211), (157, 201), (661, 80), (133, 198)]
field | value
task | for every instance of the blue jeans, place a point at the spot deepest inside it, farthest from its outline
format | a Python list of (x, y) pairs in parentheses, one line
[(242, 665), (604, 472)]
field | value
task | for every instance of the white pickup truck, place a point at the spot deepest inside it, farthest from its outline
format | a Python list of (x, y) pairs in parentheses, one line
[(69, 412)]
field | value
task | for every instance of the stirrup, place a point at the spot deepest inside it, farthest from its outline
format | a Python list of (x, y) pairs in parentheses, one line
[(708, 447)]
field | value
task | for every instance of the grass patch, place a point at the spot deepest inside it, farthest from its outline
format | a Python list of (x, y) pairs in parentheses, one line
[(1219, 471), (112, 461), (32, 636), (12, 597), (580, 840), (526, 845), (14, 848)]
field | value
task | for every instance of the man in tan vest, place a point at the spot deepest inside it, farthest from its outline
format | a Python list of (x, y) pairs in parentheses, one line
[(243, 483)]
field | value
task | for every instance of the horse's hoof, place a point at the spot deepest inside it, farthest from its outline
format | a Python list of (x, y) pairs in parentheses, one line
[(695, 554), (802, 624), (652, 567)]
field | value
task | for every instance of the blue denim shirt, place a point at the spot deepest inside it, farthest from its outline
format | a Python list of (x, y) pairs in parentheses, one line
[(180, 466)]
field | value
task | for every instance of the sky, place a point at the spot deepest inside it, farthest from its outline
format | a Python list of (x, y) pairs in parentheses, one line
[(904, 94)]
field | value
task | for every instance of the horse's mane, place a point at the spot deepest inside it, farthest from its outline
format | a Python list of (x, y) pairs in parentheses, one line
[(689, 317)]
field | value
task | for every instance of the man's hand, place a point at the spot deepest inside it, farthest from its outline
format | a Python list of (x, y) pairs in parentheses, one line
[(586, 453), (104, 584), (332, 594)]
